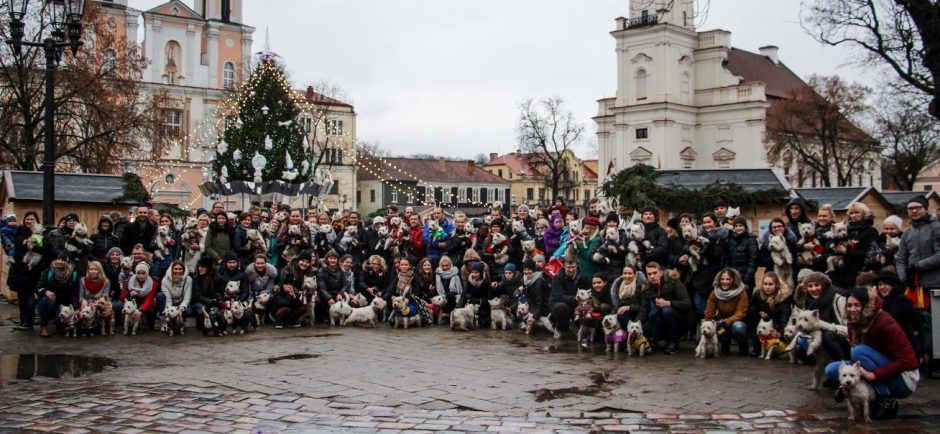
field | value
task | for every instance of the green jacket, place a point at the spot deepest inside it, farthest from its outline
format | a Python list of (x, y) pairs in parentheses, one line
[(586, 264)]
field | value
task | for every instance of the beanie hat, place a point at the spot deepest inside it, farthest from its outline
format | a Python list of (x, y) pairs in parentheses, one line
[(523, 207), (612, 217), (112, 250), (740, 220), (142, 266), (510, 267), (893, 220), (538, 258), (378, 220), (593, 221), (230, 256), (803, 273), (673, 223), (528, 264), (817, 277), (919, 199), (478, 266)]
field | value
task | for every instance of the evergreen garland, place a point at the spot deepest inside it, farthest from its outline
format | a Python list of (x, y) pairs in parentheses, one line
[(247, 133), (636, 188), (134, 190)]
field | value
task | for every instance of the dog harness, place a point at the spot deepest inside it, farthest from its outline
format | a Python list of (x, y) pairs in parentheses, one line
[(617, 337), (772, 344)]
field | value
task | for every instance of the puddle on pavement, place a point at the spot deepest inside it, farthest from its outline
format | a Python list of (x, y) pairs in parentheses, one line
[(292, 357), (29, 366), (602, 383), (574, 348)]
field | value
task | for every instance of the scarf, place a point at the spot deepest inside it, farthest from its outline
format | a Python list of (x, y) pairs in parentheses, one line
[(61, 275), (142, 288), (350, 280), (475, 282), (627, 290), (454, 286), (94, 286), (725, 295), (404, 282), (536, 275)]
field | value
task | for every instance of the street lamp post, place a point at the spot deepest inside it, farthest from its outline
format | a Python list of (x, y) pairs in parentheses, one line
[(66, 32)]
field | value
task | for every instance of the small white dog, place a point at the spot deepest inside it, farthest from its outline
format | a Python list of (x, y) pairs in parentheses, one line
[(68, 319), (367, 315), (105, 315), (242, 318), (858, 393), (437, 308), (464, 318), (173, 320), (529, 322), (132, 317), (404, 313), (708, 340), (613, 335), (782, 257), (339, 311), (87, 318), (637, 343), (163, 235), (769, 338), (498, 316)]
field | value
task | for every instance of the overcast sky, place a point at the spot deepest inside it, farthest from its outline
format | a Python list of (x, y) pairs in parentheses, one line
[(445, 76)]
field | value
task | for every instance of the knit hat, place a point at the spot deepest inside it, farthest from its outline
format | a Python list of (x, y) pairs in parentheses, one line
[(230, 256), (817, 277), (740, 220), (539, 258), (893, 220), (72, 216), (523, 207), (803, 273), (918, 199), (510, 267), (142, 266), (478, 266), (612, 217), (9, 218), (673, 223), (378, 220), (112, 250), (651, 209), (528, 264), (593, 221)]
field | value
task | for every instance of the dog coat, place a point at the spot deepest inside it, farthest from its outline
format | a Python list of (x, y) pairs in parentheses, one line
[(618, 337), (407, 311), (639, 343), (435, 309), (772, 344)]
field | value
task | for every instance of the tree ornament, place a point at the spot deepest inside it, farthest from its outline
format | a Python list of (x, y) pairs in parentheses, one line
[(265, 110), (258, 162), (288, 161), (237, 155), (238, 122), (306, 144), (258, 176), (268, 143), (284, 124), (304, 167), (223, 147)]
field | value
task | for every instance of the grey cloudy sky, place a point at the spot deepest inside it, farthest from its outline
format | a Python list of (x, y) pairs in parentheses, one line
[(446, 76)]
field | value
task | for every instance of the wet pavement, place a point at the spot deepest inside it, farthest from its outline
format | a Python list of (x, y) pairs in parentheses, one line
[(320, 379)]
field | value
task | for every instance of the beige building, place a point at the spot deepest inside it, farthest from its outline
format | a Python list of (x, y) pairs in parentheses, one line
[(528, 178)]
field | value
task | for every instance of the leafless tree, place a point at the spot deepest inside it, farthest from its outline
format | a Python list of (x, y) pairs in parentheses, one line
[(102, 112), (662, 6), (904, 35), (546, 130), (911, 136), (481, 158), (813, 129)]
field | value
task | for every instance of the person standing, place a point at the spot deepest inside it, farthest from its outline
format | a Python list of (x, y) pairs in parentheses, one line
[(22, 278)]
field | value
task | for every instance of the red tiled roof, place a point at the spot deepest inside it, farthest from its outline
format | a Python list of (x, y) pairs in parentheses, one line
[(442, 171), (520, 164), (314, 97), (586, 171), (755, 67)]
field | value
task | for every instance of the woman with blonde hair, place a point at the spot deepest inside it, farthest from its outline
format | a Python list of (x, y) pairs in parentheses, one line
[(854, 248), (95, 284), (771, 300)]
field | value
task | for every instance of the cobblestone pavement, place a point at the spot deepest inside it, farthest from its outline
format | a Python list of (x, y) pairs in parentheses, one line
[(431, 379)]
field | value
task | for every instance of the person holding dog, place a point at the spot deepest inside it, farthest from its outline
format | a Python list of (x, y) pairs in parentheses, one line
[(862, 234), (771, 301), (373, 278), (626, 295), (667, 311), (477, 290), (176, 289), (143, 289), (819, 295), (879, 344), (727, 306), (565, 286)]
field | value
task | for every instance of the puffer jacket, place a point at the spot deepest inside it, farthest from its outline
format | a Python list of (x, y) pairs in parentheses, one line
[(861, 236), (103, 240), (742, 256), (656, 235), (920, 250), (177, 293), (635, 302)]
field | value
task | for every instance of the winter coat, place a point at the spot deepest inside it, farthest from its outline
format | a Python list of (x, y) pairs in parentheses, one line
[(476, 294), (330, 282), (613, 260), (218, 241), (656, 235), (241, 246), (173, 244), (670, 290), (823, 304), (731, 310), (177, 293), (135, 233), (469, 258), (743, 255), (223, 276), (637, 301), (919, 253), (586, 265), (565, 287), (777, 307), (793, 224), (260, 282), (20, 276), (713, 257), (861, 236), (204, 290), (103, 240), (884, 335), (369, 277), (902, 310), (433, 242), (537, 292)]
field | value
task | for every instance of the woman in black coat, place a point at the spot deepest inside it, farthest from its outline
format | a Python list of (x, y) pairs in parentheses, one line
[(536, 290), (711, 262), (862, 234), (21, 277), (777, 228), (901, 308), (742, 251), (771, 301), (374, 277)]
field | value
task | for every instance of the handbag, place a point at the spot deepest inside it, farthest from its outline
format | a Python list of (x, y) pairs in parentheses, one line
[(552, 267), (917, 294)]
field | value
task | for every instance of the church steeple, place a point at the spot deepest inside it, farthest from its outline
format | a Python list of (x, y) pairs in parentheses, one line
[(676, 12)]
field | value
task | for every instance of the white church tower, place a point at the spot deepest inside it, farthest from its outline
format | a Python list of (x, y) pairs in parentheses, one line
[(680, 103)]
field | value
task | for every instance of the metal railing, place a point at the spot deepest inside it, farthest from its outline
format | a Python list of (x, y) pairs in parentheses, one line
[(647, 20)]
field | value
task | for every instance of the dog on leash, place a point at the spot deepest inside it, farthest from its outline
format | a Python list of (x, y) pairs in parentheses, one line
[(636, 342), (259, 306), (464, 318), (368, 314), (498, 316), (87, 318), (105, 315), (613, 334), (708, 340), (770, 342), (404, 313), (529, 322), (242, 318), (173, 322), (339, 311), (810, 327), (584, 314), (436, 306), (132, 316), (858, 393), (69, 320)]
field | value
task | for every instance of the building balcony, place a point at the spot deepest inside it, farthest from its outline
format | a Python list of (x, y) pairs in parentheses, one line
[(642, 21)]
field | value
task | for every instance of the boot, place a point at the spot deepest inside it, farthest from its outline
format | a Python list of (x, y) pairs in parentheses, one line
[(44, 331), (840, 395), (742, 348)]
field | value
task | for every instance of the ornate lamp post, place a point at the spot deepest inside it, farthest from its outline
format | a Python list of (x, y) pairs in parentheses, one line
[(66, 19)]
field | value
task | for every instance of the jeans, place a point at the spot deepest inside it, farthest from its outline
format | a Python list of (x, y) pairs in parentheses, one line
[(738, 331), (700, 301), (48, 310), (665, 324), (871, 359)]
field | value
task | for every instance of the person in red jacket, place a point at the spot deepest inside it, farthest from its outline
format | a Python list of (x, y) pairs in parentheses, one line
[(879, 344), (414, 245)]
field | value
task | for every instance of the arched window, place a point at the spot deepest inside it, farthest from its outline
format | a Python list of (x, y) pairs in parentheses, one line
[(173, 61), (228, 75), (641, 79)]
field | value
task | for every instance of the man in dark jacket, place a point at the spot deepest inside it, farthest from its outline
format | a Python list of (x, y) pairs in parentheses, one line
[(918, 256), (669, 311), (104, 239), (656, 235), (140, 231), (743, 251), (565, 286)]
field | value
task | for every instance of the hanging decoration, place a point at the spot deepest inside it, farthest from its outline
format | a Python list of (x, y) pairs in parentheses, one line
[(265, 110), (223, 147), (237, 155), (268, 143)]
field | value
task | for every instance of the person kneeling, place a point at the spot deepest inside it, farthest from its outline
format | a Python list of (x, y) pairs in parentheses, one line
[(727, 306)]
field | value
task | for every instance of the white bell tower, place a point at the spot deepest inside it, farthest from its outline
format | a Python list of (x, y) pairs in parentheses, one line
[(676, 12)]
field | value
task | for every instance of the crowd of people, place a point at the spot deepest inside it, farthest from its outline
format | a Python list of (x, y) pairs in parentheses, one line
[(707, 267)]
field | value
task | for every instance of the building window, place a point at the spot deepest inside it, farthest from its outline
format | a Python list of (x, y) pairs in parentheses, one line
[(541, 194), (372, 196), (928, 188), (500, 173), (587, 194), (394, 196), (510, 174), (724, 164), (529, 193), (358, 196), (305, 124), (642, 133), (429, 194), (110, 60), (498, 193), (476, 195), (172, 123), (641, 79), (334, 127), (228, 75)]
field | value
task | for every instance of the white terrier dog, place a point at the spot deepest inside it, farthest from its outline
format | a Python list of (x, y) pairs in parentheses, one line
[(68, 319), (498, 316), (858, 393), (464, 318), (132, 317), (708, 340), (637, 343)]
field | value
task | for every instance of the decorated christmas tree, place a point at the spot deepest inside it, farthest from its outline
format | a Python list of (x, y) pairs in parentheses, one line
[(265, 140)]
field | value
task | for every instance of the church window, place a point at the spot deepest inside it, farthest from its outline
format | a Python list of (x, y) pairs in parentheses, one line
[(173, 61), (228, 75), (641, 79), (642, 133), (172, 123), (110, 60)]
